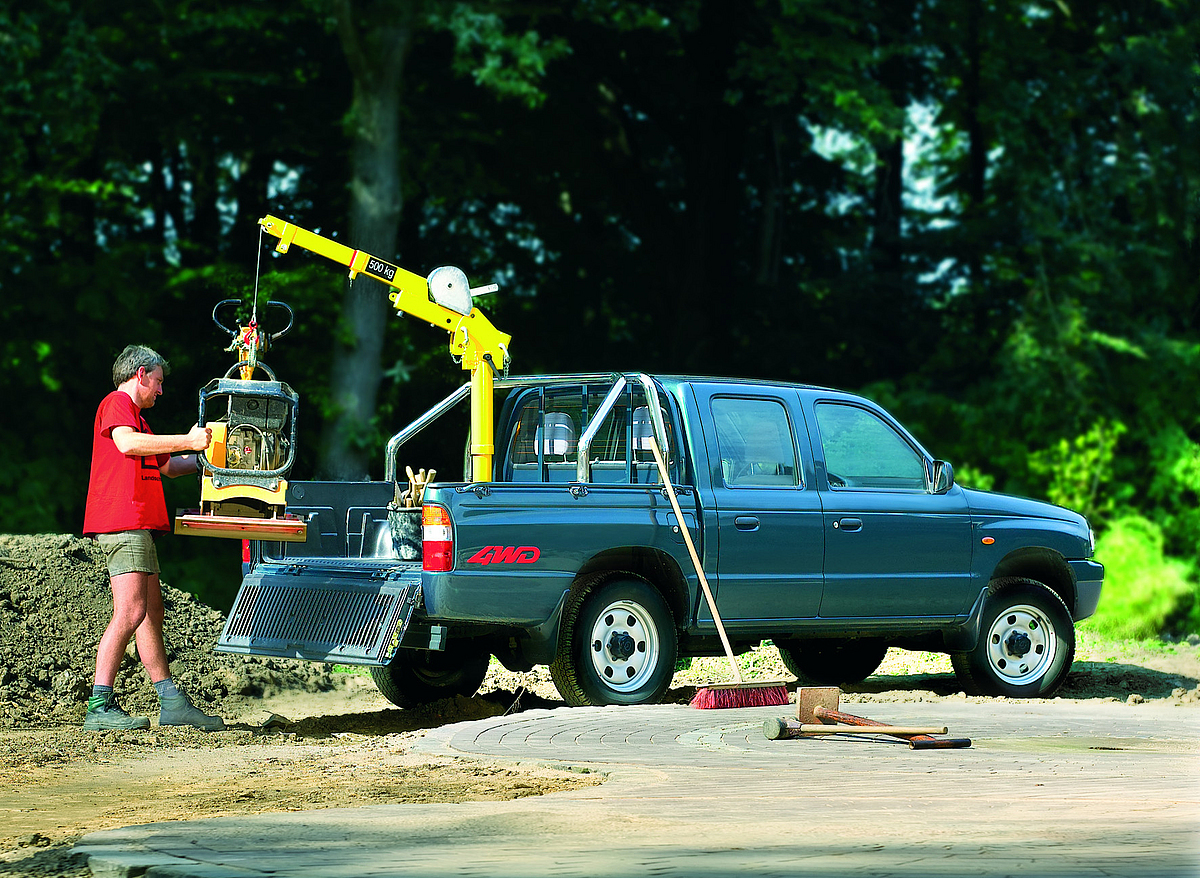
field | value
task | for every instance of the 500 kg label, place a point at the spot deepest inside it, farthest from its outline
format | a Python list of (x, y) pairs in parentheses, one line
[(382, 269)]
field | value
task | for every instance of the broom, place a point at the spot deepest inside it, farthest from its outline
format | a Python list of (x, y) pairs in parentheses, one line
[(718, 695)]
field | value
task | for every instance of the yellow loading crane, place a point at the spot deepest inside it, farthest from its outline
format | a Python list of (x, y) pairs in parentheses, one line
[(444, 299), (243, 490)]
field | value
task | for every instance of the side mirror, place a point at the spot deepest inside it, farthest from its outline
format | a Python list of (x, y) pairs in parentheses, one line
[(943, 477)]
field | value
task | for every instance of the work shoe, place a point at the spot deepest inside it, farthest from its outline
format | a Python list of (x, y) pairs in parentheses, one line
[(103, 713), (176, 710)]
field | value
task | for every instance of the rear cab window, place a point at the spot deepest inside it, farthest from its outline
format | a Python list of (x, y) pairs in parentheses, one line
[(543, 441)]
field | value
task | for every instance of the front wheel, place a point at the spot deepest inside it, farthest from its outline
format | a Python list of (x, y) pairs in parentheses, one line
[(1026, 643), (417, 677), (617, 645)]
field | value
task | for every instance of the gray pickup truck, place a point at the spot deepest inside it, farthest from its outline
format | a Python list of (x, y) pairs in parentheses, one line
[(821, 524)]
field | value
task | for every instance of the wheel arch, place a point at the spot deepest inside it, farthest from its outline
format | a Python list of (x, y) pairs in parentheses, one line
[(655, 566), (614, 661), (1041, 565)]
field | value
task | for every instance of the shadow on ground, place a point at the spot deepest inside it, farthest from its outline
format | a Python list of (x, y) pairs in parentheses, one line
[(1114, 680), (426, 716)]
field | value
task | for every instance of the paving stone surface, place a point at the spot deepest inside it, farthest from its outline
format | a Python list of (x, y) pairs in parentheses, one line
[(1048, 788)]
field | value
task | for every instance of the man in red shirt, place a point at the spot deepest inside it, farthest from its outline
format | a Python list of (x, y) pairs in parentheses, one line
[(125, 510)]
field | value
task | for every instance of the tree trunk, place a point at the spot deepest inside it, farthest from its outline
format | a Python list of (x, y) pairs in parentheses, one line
[(700, 288), (375, 37), (976, 142), (770, 236)]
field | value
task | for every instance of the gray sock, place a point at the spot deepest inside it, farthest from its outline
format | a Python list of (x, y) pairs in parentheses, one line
[(100, 697), (166, 689)]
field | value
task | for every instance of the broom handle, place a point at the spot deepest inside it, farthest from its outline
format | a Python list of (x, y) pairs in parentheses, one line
[(687, 538)]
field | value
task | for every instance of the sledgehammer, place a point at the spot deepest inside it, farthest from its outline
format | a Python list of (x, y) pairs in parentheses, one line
[(820, 703)]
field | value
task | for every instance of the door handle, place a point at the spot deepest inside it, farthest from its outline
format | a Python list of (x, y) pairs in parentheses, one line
[(849, 525), (746, 522)]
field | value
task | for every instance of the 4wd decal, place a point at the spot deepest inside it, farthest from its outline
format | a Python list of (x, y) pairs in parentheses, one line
[(506, 555)]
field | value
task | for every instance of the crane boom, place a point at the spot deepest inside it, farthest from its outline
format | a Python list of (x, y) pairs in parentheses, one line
[(444, 300)]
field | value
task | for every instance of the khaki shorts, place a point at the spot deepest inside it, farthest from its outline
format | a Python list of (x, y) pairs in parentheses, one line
[(131, 551)]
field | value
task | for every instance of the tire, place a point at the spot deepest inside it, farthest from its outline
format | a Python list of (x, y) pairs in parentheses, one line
[(1026, 643), (418, 676), (617, 644), (832, 662)]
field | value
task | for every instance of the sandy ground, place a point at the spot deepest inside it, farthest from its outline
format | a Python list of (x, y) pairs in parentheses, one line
[(347, 746)]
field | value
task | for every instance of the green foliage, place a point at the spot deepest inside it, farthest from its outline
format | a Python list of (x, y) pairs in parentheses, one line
[(1078, 472), (511, 65), (971, 477), (1168, 477), (1145, 592)]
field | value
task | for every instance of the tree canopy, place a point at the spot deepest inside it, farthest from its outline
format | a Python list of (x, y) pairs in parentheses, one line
[(982, 213)]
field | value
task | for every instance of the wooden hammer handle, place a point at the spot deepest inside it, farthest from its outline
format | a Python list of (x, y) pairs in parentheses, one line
[(783, 727), (836, 716), (895, 731), (916, 742)]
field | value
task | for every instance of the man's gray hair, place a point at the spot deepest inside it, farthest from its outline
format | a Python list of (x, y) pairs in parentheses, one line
[(134, 357)]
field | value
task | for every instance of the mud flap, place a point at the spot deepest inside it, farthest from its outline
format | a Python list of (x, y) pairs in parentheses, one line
[(324, 614)]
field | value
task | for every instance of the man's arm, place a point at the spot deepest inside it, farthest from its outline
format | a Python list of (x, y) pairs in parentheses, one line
[(130, 441), (180, 465)]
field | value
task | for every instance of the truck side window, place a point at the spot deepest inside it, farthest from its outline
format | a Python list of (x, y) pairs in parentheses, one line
[(863, 451), (755, 440)]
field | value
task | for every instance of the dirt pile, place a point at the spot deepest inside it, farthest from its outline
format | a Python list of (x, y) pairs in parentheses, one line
[(54, 605)]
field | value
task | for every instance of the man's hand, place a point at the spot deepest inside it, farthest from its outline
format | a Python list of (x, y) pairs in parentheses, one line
[(199, 438)]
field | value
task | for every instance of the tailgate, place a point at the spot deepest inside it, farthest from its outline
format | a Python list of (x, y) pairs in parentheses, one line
[(326, 612)]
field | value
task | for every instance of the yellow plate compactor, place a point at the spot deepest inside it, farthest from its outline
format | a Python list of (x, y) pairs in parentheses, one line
[(253, 421)]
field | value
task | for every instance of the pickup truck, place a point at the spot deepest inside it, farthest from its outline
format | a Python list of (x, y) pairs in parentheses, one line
[(820, 523)]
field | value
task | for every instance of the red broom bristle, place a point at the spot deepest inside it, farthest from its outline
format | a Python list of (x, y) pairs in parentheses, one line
[(726, 696)]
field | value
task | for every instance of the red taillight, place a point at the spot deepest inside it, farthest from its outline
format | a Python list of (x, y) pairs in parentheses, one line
[(437, 535), (245, 551)]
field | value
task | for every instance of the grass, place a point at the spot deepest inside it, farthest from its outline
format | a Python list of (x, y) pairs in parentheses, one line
[(1096, 646), (352, 670)]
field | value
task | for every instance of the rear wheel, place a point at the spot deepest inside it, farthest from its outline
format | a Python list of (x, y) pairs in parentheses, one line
[(1026, 643), (617, 645), (418, 676), (832, 662)]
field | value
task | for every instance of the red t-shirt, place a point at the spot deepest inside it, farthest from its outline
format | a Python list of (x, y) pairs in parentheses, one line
[(124, 491)]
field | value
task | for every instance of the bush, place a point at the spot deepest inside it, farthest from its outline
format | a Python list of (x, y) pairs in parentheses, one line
[(1145, 593)]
